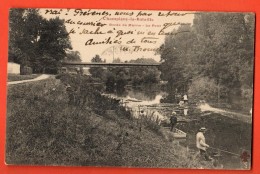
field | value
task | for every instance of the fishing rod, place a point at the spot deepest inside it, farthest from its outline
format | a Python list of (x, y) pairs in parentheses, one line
[(235, 154)]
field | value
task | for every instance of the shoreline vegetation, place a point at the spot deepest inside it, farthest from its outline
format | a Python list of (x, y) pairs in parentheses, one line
[(94, 131)]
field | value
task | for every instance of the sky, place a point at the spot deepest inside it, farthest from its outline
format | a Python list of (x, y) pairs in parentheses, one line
[(126, 34)]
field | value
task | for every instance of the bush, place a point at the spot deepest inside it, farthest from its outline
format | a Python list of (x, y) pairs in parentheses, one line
[(203, 88), (152, 125), (25, 70)]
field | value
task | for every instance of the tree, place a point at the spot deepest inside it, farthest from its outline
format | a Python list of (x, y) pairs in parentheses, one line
[(228, 43), (15, 54), (203, 88), (97, 72), (144, 75), (96, 59), (175, 57), (73, 56), (54, 41), (110, 82), (24, 38), (218, 48), (117, 60), (33, 40), (116, 79)]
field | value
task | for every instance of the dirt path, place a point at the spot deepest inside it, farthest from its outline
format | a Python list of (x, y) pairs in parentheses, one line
[(41, 77)]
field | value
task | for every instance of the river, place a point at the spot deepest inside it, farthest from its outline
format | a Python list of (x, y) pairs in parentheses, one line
[(225, 133)]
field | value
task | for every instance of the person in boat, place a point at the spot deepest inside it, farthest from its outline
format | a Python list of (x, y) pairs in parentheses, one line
[(173, 120), (201, 143)]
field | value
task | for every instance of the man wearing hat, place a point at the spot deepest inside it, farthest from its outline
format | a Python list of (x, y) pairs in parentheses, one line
[(173, 120), (201, 143)]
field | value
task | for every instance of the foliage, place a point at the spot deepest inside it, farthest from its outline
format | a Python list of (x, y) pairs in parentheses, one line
[(117, 60), (73, 56), (116, 79), (143, 60), (25, 70), (203, 88), (175, 60), (144, 75), (97, 72), (40, 47), (110, 82), (219, 47)]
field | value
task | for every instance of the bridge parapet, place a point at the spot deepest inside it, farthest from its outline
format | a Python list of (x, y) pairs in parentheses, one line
[(96, 64)]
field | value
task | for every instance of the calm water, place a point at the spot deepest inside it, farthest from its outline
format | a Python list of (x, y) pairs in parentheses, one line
[(223, 133)]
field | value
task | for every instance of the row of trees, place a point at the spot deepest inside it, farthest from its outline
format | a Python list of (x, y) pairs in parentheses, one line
[(118, 77), (37, 42), (214, 59), (144, 75)]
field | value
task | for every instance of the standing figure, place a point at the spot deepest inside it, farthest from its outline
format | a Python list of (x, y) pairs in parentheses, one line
[(70, 93), (185, 99), (181, 103), (173, 120), (201, 143), (142, 114), (141, 119)]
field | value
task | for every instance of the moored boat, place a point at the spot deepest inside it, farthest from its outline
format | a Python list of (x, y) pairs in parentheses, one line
[(177, 133)]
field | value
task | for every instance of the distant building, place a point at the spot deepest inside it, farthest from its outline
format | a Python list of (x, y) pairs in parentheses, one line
[(13, 68)]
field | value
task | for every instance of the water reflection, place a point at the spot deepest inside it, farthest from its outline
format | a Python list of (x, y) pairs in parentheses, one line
[(223, 133), (185, 111), (147, 94)]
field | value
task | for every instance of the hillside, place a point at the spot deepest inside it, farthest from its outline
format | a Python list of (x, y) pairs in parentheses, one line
[(43, 128)]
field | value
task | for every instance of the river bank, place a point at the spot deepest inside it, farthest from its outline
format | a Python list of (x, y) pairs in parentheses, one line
[(236, 128), (44, 129), (234, 114)]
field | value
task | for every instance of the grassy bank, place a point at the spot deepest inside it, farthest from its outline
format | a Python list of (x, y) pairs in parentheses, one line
[(45, 128), (17, 77)]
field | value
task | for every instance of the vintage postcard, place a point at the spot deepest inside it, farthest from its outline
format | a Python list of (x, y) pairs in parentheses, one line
[(130, 88)]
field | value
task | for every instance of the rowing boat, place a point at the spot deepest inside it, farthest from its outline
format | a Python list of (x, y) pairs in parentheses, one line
[(177, 133)]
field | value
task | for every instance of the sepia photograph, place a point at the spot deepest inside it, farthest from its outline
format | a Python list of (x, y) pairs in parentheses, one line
[(130, 88)]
